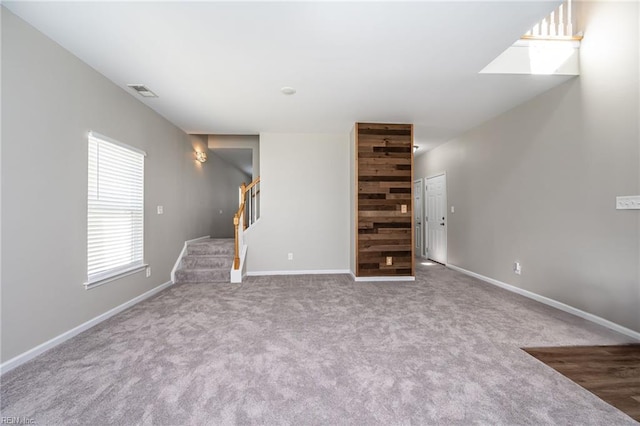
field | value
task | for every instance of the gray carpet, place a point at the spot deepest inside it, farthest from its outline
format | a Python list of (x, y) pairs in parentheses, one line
[(316, 350)]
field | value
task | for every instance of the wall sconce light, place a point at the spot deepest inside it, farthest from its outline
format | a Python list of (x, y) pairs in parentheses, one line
[(201, 156), (415, 148)]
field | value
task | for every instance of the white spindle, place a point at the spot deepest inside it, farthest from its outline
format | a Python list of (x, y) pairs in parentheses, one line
[(558, 24), (569, 19), (561, 32)]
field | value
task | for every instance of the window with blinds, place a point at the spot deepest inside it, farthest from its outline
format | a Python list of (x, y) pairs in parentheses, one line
[(115, 210)]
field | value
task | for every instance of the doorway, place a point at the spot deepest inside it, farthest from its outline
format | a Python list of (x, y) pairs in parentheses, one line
[(436, 218), (418, 215)]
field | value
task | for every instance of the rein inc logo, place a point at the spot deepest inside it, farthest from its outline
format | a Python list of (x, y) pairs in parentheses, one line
[(17, 421)]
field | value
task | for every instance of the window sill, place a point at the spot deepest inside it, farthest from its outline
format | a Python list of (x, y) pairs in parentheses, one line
[(97, 282)]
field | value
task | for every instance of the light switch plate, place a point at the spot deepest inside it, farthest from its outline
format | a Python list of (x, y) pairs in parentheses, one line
[(630, 202), (403, 208)]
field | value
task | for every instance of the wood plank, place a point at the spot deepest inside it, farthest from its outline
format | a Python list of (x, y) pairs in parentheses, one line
[(383, 140), (610, 372), (393, 214), (398, 247), (384, 160), (400, 197), (371, 202), (385, 172), (384, 182), (371, 154), (378, 126)]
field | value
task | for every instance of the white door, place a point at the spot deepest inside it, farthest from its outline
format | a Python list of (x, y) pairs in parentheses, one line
[(417, 211), (436, 190)]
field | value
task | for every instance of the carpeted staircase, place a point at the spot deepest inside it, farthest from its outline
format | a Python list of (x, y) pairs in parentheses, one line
[(207, 261)]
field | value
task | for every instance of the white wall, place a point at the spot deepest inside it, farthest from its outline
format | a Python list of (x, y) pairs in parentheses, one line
[(304, 190), (239, 141), (538, 183), (50, 100)]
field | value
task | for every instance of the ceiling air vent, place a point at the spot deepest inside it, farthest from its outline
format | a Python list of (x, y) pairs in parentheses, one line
[(142, 90)]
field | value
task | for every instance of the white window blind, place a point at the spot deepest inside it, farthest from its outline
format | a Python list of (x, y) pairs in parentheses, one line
[(115, 210)]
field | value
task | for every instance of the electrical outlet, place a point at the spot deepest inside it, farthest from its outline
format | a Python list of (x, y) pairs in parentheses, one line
[(389, 260), (160, 209), (290, 256), (517, 268), (403, 208), (148, 271)]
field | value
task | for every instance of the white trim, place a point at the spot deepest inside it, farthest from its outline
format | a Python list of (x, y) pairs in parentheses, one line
[(114, 275), (436, 175), (551, 302), (379, 279), (305, 272), (97, 135), (446, 212), (50, 344), (181, 255)]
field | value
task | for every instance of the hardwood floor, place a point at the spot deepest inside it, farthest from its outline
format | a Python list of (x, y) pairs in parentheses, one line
[(610, 372)]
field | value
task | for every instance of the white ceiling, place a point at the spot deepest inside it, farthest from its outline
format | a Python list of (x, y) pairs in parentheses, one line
[(218, 67)]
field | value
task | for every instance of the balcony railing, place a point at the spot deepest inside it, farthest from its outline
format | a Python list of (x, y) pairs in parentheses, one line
[(559, 24)]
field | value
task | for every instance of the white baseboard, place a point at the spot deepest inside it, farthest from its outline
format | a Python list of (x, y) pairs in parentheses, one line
[(380, 279), (181, 255), (306, 272), (551, 302), (34, 352)]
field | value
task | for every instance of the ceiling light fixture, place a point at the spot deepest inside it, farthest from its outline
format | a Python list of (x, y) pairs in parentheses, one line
[(142, 90), (288, 91), (201, 156)]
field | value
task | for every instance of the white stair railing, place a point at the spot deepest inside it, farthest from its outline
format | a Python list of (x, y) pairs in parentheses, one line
[(557, 25)]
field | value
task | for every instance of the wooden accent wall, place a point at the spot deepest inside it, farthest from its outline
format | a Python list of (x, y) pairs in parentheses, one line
[(384, 167)]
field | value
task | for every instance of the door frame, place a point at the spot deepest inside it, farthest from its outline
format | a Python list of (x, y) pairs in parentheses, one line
[(423, 252), (446, 215)]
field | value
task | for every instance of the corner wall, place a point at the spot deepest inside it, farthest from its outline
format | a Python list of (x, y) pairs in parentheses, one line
[(304, 210), (50, 100), (221, 199), (538, 184)]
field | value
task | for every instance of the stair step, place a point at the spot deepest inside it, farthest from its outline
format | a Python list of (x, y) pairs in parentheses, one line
[(203, 275), (212, 247), (206, 262)]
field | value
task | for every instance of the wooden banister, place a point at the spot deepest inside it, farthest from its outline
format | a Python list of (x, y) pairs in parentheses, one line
[(236, 224), (240, 218), (252, 184)]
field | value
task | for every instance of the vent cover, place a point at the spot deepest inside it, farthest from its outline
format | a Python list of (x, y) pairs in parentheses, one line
[(142, 90)]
